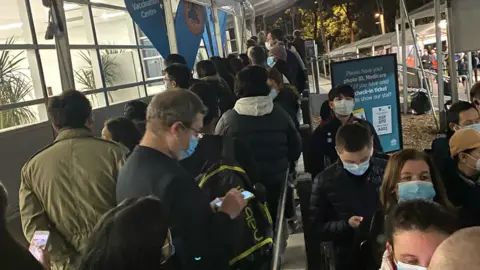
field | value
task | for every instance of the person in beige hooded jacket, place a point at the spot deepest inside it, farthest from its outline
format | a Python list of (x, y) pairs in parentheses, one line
[(67, 186)]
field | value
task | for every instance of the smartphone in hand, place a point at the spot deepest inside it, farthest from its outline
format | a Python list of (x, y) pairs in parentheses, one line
[(247, 195), (39, 244)]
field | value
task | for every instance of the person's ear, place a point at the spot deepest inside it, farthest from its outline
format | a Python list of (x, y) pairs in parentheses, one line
[(331, 104), (57, 130), (174, 84), (176, 128)]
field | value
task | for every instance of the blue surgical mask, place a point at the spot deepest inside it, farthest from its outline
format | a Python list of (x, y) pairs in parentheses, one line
[(413, 190), (474, 126), (271, 61), (192, 145), (273, 93), (404, 266)]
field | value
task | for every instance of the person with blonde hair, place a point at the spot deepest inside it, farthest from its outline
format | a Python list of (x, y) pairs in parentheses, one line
[(460, 251)]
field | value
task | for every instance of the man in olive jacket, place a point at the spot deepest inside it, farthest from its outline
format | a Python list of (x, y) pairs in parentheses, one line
[(66, 187)]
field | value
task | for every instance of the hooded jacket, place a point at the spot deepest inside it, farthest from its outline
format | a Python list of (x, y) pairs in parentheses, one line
[(268, 130)]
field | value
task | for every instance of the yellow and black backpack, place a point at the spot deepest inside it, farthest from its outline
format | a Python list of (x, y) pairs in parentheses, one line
[(253, 235)]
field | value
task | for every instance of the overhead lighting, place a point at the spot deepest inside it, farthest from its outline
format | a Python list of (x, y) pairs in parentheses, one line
[(113, 15), (11, 26), (70, 6)]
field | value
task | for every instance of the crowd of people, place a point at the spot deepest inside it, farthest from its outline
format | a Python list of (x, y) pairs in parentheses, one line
[(141, 197)]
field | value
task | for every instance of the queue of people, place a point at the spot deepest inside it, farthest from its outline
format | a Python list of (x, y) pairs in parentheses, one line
[(138, 198)]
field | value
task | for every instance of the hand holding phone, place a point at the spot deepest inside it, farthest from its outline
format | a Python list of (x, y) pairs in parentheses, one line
[(247, 195), (38, 246)]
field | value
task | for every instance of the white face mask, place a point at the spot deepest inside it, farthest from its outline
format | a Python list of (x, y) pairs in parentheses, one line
[(404, 266), (343, 107)]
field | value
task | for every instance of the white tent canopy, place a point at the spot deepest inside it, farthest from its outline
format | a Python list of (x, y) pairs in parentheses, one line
[(425, 33), (425, 11)]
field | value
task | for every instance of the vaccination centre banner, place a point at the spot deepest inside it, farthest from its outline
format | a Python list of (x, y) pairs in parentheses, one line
[(189, 26), (209, 38), (375, 80), (150, 17)]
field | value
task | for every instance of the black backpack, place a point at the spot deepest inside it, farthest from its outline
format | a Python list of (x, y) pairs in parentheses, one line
[(253, 229)]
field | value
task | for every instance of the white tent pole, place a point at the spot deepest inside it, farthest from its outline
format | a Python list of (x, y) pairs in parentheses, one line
[(170, 21), (397, 31), (441, 95), (404, 59), (451, 53)]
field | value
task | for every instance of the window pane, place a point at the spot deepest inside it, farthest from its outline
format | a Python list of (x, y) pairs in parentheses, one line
[(79, 26), (86, 69), (127, 94), (51, 72), (120, 3), (120, 66), (18, 117), (153, 68), (97, 100), (155, 88), (11, 24), (16, 83), (113, 27)]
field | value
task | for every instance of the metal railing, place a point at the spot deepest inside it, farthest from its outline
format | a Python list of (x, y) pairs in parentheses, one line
[(279, 225)]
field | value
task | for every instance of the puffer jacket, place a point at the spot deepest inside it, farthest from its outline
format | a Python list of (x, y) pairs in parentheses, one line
[(268, 130), (338, 195), (65, 189)]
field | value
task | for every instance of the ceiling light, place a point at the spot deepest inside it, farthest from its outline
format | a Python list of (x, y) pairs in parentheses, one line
[(11, 26), (113, 15)]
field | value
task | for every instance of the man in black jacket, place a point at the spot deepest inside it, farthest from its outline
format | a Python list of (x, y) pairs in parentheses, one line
[(267, 129), (201, 234), (323, 152), (345, 196)]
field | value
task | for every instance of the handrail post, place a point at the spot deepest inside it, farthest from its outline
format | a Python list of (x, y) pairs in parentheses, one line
[(279, 224)]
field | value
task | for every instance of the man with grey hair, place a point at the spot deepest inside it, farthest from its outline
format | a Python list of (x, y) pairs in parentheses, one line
[(201, 235), (460, 251)]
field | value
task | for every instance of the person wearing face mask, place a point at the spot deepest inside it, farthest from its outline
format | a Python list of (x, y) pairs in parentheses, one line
[(323, 153), (409, 175), (67, 186), (201, 233), (283, 94), (462, 177), (345, 196), (277, 59), (414, 229)]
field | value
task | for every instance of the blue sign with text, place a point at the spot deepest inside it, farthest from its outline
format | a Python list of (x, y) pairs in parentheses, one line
[(375, 80), (150, 17), (189, 26), (222, 20)]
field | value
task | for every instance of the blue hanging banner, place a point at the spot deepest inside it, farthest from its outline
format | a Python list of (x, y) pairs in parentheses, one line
[(209, 34), (375, 80), (189, 25), (150, 17)]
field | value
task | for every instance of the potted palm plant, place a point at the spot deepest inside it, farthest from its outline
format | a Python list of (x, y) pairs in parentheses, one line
[(15, 87)]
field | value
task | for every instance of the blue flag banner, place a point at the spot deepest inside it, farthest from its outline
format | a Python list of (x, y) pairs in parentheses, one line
[(222, 19), (189, 26), (375, 80), (150, 17)]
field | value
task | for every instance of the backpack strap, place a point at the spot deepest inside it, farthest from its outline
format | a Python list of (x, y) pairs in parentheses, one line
[(228, 147)]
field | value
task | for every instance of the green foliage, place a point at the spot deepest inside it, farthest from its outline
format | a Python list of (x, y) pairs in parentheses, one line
[(15, 87), (85, 75), (337, 26)]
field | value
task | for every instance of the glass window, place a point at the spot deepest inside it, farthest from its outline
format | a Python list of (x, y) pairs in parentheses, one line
[(120, 3), (126, 94), (155, 88), (16, 79), (86, 69), (21, 116), (153, 68), (120, 66), (79, 26), (97, 100), (113, 26), (12, 24), (51, 72)]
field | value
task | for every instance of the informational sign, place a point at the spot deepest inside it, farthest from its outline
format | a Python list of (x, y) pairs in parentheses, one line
[(209, 35), (150, 17), (375, 80), (310, 49), (189, 26)]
